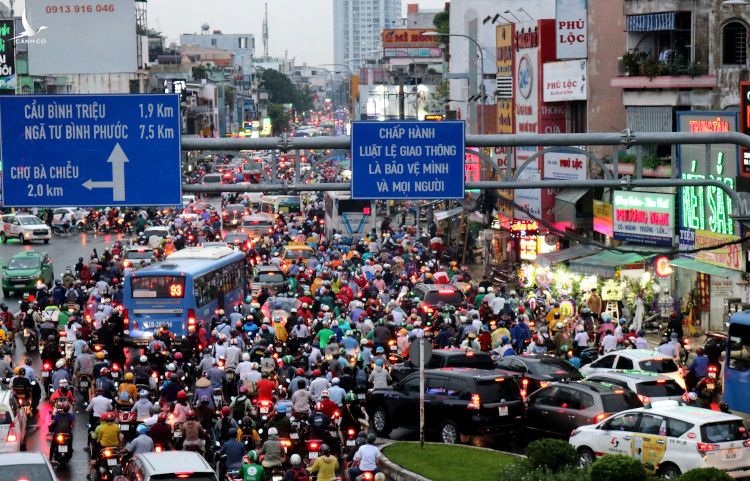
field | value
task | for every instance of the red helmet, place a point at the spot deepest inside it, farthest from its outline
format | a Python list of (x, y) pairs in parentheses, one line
[(109, 416), (104, 372), (226, 411), (300, 371), (243, 389), (521, 309), (157, 347), (181, 395), (178, 355), (316, 373)]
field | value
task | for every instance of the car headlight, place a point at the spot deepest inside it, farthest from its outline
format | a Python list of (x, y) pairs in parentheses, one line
[(27, 234)]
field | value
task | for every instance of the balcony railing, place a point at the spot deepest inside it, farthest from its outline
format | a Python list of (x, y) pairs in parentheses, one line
[(642, 71)]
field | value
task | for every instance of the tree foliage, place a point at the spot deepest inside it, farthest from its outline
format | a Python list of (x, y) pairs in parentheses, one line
[(281, 90), (279, 118), (441, 21)]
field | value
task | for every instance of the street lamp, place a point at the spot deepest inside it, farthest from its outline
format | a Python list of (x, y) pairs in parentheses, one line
[(481, 59)]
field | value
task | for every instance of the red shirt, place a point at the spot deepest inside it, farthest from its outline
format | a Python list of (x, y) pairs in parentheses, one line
[(327, 407), (265, 389)]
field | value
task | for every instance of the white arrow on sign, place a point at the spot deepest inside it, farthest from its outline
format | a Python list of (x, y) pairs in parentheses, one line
[(118, 159)]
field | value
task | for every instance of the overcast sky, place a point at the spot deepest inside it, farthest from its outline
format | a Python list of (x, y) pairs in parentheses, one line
[(302, 28)]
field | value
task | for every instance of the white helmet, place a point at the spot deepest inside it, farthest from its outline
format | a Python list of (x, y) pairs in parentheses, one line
[(60, 364), (559, 325), (273, 432), (295, 459), (482, 290), (171, 367), (143, 359), (245, 356)]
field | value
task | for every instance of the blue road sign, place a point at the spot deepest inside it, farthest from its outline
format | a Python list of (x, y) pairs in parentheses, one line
[(90, 150), (408, 160)]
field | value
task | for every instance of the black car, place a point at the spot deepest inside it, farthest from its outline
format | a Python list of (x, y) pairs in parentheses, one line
[(538, 370), (432, 296), (559, 408), (446, 358), (458, 401)]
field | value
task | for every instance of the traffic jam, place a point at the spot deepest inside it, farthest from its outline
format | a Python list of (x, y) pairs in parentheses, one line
[(254, 336)]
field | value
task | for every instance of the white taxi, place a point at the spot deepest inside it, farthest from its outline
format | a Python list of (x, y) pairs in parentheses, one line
[(669, 438), (636, 360), (24, 227)]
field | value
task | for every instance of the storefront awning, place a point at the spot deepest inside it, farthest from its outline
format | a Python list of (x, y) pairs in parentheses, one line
[(604, 264), (568, 198), (710, 269), (575, 252), (652, 22), (447, 214)]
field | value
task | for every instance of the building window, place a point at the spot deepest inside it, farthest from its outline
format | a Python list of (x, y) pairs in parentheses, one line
[(734, 36), (213, 42)]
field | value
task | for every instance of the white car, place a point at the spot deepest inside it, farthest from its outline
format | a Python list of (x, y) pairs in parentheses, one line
[(636, 360), (24, 227), (669, 438), (648, 386), (75, 214), (12, 423)]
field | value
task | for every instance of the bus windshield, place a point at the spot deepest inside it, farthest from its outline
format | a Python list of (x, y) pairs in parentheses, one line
[(158, 287)]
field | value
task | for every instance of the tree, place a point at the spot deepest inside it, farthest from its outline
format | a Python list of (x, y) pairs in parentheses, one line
[(279, 118), (200, 72), (280, 89), (441, 21)]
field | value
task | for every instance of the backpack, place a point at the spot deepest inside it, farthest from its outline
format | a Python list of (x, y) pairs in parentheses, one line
[(239, 407), (300, 474), (63, 423)]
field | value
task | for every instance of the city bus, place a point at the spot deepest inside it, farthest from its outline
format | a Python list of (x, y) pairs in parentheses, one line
[(280, 204), (185, 288), (351, 218)]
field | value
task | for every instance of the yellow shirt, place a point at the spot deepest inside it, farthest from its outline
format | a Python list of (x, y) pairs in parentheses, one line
[(108, 435), (326, 467)]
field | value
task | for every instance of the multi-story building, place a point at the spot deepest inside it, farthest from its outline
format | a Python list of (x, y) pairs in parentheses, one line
[(357, 26), (242, 45)]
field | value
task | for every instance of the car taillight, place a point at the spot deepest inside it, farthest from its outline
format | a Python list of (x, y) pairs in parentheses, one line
[(644, 399), (12, 437), (524, 387), (475, 402), (191, 318), (703, 448), (314, 446), (350, 432), (46, 366), (543, 384), (125, 318), (600, 417)]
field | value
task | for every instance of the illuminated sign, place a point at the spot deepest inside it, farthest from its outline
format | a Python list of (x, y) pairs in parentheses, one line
[(745, 125), (707, 208), (524, 226), (434, 117), (662, 267), (644, 217), (527, 248), (175, 290)]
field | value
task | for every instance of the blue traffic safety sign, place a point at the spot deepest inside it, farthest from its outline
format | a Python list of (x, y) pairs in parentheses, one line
[(90, 150), (408, 160)]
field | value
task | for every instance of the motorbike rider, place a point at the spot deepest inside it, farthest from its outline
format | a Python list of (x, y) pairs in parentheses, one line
[(181, 408), (60, 373), (141, 443), (281, 421), (251, 470), (194, 433), (224, 424), (232, 451), (242, 404), (63, 422), (142, 371), (84, 366), (20, 383), (353, 415), (105, 384), (326, 465), (62, 393), (273, 450), (107, 435), (367, 458), (127, 392), (697, 370), (161, 432)]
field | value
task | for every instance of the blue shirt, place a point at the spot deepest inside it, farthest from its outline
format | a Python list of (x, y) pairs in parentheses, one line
[(234, 450), (699, 366)]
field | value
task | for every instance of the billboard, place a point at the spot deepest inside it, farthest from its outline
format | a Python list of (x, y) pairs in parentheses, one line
[(565, 166), (564, 81), (7, 58), (505, 56), (707, 208), (410, 42), (745, 126), (571, 29), (80, 37), (728, 256), (644, 217), (603, 218)]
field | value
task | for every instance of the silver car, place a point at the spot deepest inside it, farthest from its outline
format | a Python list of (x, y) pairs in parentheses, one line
[(647, 385)]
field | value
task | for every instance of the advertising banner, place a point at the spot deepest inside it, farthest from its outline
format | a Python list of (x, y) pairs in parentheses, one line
[(603, 218), (644, 217), (729, 256), (564, 81), (80, 37), (565, 166), (505, 93), (571, 29)]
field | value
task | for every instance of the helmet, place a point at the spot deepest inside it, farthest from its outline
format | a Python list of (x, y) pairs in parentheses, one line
[(178, 355), (379, 477), (281, 408), (287, 359), (191, 415), (245, 356), (226, 411), (144, 393), (143, 359), (378, 362), (350, 397), (273, 432), (141, 429), (325, 449), (181, 395), (294, 459), (335, 381), (63, 383), (300, 371), (171, 367), (324, 393), (232, 433), (371, 438), (252, 455), (129, 376), (692, 395), (243, 389), (109, 416), (104, 372), (60, 364)]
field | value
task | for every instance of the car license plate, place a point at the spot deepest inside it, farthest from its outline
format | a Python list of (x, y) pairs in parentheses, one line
[(730, 454), (84, 384), (45, 373), (502, 410), (124, 427), (350, 442), (710, 385), (112, 462), (264, 410), (393, 348), (333, 433), (361, 396), (293, 436), (312, 455), (178, 434), (115, 375), (62, 449)]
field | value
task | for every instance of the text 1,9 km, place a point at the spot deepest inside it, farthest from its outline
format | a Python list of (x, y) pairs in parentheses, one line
[(157, 110)]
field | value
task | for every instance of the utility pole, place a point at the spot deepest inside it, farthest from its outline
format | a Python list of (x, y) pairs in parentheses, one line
[(401, 96)]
